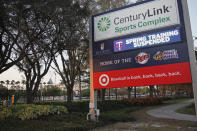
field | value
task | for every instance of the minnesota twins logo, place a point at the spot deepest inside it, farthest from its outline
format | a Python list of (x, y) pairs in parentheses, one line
[(118, 45)]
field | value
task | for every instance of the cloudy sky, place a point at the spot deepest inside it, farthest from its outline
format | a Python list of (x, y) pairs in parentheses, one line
[(13, 74)]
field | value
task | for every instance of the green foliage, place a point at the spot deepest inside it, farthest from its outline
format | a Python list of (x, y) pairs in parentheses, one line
[(51, 91), (174, 100), (116, 116), (187, 110), (83, 106), (143, 90), (112, 105), (29, 111), (3, 92), (144, 101), (56, 103), (85, 93)]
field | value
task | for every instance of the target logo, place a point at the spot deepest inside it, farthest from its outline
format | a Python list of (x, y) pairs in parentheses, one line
[(104, 80)]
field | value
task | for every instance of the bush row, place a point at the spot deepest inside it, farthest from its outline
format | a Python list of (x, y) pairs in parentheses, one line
[(144, 101), (29, 111), (107, 105)]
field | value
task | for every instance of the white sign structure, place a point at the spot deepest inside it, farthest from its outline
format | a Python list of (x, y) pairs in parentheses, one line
[(143, 17)]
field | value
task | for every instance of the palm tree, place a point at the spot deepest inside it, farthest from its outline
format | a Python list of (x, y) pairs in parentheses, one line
[(17, 85), (44, 84), (12, 83), (2, 82), (7, 82), (18, 82), (23, 82)]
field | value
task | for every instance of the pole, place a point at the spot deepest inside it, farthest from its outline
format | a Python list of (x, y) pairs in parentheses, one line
[(190, 43), (93, 93)]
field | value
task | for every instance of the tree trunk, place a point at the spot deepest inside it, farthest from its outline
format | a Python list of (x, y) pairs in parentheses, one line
[(129, 92), (99, 95), (79, 85), (116, 94), (103, 94), (69, 95), (32, 89), (151, 90), (69, 98), (30, 98), (135, 92), (109, 94)]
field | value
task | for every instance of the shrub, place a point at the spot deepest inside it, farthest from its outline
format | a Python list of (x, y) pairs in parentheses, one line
[(52, 103), (76, 106), (116, 116), (112, 105), (108, 105), (144, 101), (29, 111), (85, 93)]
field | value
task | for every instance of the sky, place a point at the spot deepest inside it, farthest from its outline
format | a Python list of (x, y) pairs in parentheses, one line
[(13, 73)]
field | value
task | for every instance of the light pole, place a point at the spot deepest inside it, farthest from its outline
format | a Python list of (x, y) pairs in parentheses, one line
[(195, 47)]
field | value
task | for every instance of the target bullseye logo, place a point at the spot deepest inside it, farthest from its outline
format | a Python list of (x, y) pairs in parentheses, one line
[(104, 80)]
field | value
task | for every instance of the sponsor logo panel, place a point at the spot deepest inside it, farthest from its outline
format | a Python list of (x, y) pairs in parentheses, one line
[(165, 55), (142, 58), (102, 49), (169, 54)]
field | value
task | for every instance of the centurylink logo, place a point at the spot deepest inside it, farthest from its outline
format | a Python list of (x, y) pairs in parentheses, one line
[(103, 24)]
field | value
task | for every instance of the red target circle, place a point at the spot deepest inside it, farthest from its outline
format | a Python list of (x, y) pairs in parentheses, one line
[(104, 80)]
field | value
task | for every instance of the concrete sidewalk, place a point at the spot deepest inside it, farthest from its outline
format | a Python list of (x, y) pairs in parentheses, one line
[(169, 112)]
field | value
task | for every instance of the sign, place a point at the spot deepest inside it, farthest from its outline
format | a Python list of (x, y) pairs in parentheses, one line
[(141, 44), (130, 20), (153, 75), (147, 40)]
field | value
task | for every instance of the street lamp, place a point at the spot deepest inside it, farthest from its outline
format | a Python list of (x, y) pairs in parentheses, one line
[(195, 48)]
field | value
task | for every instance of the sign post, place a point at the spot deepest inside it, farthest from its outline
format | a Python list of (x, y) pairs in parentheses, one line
[(193, 62), (93, 94)]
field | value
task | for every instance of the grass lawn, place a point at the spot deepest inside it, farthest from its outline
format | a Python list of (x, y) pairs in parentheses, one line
[(174, 101), (187, 110)]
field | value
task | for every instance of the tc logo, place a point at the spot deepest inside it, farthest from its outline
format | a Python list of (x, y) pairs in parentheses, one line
[(104, 80), (119, 44), (103, 24), (142, 58)]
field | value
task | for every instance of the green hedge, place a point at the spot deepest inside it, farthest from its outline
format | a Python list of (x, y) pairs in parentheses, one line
[(144, 101), (77, 106), (83, 106), (29, 111), (108, 105)]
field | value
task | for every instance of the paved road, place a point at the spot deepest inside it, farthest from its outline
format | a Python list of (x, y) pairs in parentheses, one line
[(169, 112)]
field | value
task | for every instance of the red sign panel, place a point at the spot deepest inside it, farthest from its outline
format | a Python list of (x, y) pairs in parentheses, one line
[(154, 75)]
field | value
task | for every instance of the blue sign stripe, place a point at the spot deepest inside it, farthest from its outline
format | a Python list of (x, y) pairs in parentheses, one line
[(148, 40)]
